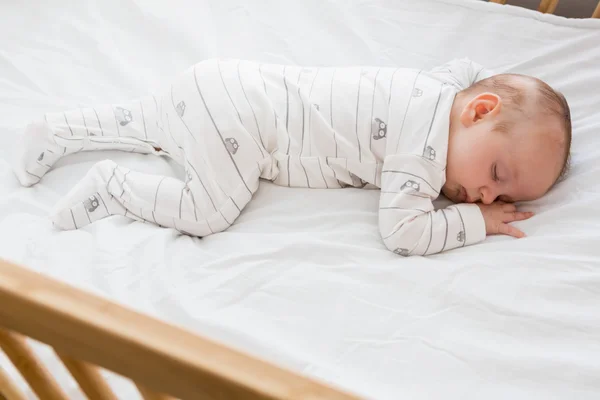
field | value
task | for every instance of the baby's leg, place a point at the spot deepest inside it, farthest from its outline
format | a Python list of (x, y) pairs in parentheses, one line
[(134, 126), (222, 159), (198, 207)]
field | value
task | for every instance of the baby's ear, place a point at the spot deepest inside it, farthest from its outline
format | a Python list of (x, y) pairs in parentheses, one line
[(481, 106)]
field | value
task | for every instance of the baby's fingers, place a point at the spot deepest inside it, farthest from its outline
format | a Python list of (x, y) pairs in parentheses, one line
[(510, 230), (517, 216), (507, 207)]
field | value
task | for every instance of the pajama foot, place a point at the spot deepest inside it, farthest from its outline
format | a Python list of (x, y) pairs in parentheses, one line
[(35, 153), (87, 202)]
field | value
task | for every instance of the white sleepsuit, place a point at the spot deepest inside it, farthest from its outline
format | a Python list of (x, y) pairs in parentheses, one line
[(231, 122)]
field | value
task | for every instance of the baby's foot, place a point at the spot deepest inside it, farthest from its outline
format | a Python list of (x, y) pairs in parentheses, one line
[(35, 154), (88, 201)]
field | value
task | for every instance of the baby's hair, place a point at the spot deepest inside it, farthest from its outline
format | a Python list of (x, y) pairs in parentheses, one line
[(558, 106), (513, 94)]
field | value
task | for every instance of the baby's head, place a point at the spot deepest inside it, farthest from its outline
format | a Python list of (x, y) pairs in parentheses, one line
[(510, 139)]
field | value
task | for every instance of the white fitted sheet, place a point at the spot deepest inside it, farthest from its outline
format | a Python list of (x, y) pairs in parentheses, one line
[(303, 279)]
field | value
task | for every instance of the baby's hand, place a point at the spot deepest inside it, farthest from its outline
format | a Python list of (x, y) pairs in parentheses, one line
[(498, 214)]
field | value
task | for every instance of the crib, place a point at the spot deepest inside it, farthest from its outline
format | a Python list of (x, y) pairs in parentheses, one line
[(89, 334), (87, 331)]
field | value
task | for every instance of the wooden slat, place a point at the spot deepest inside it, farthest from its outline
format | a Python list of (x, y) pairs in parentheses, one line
[(159, 356), (548, 6), (23, 358), (498, 1), (89, 379), (148, 394), (8, 389), (596, 13)]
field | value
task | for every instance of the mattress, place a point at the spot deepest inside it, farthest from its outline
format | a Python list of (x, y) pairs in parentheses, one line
[(303, 278)]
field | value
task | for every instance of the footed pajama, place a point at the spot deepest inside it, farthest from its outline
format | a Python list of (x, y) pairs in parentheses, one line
[(230, 123)]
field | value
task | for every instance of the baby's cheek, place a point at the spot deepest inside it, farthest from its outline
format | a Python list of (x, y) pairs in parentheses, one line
[(468, 178), (471, 168), (455, 170)]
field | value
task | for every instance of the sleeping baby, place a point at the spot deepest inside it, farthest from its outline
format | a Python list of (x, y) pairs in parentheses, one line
[(484, 141)]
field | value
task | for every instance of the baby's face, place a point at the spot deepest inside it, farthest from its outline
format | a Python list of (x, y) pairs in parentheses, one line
[(486, 165)]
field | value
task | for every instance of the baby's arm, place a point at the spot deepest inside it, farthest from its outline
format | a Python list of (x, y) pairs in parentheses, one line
[(408, 223)]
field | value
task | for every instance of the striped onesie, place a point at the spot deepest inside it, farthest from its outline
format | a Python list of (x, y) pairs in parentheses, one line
[(230, 123)]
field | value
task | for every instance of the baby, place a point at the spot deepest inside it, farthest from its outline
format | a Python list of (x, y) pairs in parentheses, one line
[(483, 140)]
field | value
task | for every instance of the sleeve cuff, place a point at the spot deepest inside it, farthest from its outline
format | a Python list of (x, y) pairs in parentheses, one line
[(474, 223)]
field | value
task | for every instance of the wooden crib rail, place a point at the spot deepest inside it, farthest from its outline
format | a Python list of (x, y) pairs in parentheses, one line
[(8, 389), (89, 379), (549, 6), (86, 330), (23, 358)]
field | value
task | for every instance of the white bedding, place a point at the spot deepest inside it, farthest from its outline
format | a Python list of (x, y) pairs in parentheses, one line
[(303, 279)]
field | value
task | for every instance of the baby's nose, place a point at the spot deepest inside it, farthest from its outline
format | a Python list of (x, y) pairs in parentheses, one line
[(487, 197)]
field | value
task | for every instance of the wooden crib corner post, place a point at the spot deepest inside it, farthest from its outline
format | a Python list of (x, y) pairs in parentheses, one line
[(596, 13)]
